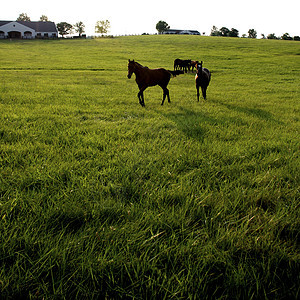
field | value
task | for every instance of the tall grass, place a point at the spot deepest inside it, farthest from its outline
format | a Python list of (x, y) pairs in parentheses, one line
[(101, 198)]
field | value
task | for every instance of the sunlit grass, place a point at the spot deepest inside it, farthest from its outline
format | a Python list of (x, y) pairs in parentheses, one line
[(103, 198)]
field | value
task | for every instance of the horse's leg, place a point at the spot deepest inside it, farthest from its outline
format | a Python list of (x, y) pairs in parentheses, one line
[(164, 97), (204, 92), (141, 97), (198, 94), (141, 94), (166, 94)]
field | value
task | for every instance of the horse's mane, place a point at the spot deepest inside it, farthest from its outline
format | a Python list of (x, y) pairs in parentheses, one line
[(140, 65)]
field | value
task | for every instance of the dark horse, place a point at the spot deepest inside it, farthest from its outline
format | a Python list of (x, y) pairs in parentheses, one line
[(146, 77), (202, 79), (180, 64)]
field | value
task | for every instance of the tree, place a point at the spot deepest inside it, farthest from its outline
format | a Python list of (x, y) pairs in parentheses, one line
[(79, 27), (44, 18), (252, 34), (162, 26), (271, 36), (23, 17), (102, 27), (286, 36), (215, 31), (224, 31), (64, 28), (233, 32)]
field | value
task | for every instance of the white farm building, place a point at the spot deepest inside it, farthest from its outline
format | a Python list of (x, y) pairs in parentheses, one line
[(27, 30), (179, 31)]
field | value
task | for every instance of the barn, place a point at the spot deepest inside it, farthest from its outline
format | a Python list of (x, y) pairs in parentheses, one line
[(27, 30)]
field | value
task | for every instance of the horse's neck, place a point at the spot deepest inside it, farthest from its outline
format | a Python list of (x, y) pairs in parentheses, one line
[(139, 70)]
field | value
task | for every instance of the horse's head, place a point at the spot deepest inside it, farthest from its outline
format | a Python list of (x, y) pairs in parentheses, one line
[(131, 68), (199, 67)]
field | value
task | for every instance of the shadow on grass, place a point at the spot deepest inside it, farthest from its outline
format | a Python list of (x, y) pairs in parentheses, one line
[(189, 122), (250, 111), (197, 124)]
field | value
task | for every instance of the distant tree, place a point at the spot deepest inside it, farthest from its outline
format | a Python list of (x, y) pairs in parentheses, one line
[(64, 28), (23, 17), (79, 27), (263, 36), (296, 38), (252, 34), (224, 31), (286, 36), (233, 32), (244, 35), (162, 26), (272, 36), (102, 27), (44, 18), (215, 31)]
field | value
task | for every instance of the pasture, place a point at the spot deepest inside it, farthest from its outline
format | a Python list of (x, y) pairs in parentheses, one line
[(102, 198)]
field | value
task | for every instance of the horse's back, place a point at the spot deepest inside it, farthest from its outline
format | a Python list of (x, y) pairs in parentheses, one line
[(161, 71), (207, 72), (158, 76)]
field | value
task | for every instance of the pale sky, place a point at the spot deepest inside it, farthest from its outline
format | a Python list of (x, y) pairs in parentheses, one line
[(138, 16)]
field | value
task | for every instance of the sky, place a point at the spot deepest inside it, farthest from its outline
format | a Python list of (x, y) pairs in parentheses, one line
[(137, 16)]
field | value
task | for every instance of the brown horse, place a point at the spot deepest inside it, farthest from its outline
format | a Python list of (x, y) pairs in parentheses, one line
[(146, 77), (194, 64), (202, 79)]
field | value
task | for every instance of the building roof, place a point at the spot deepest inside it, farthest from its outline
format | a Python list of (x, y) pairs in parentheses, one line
[(181, 31), (4, 22), (39, 26)]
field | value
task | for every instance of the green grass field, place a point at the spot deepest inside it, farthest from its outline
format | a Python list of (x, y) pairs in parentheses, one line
[(103, 199)]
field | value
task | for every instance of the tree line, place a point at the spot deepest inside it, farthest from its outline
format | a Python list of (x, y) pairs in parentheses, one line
[(163, 26), (65, 28), (102, 27), (224, 31)]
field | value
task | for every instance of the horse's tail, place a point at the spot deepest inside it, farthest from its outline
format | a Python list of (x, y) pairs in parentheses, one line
[(176, 72)]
